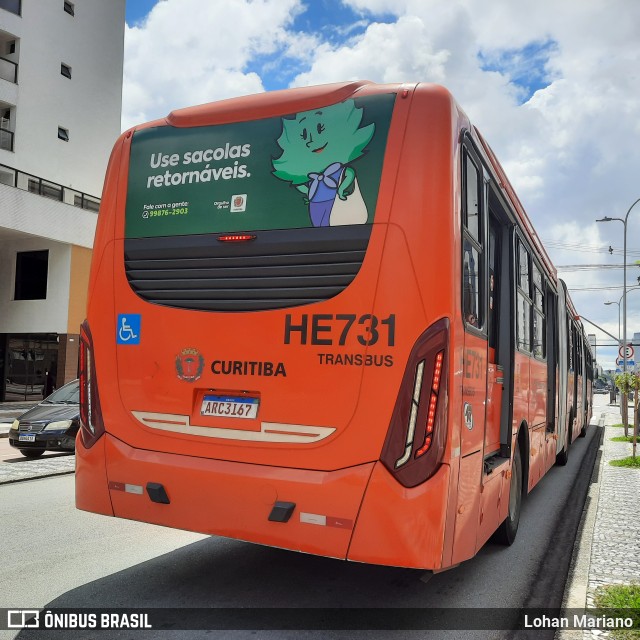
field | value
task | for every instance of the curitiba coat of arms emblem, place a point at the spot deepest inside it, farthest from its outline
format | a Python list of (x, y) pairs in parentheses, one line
[(189, 365)]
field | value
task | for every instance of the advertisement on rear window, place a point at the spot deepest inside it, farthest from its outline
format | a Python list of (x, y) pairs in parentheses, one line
[(315, 168)]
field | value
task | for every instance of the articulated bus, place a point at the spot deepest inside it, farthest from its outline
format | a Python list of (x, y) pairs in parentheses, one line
[(320, 319)]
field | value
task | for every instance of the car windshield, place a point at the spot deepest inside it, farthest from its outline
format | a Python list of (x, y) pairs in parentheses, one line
[(69, 394)]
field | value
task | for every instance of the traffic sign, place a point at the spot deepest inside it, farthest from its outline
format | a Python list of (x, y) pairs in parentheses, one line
[(630, 352), (630, 363)]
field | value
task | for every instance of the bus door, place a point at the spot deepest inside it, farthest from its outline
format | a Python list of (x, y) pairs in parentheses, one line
[(551, 349), (474, 358), (495, 480), (563, 429), (495, 371), (482, 488)]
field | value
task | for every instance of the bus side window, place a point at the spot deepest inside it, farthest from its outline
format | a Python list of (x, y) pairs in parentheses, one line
[(473, 244), (539, 321), (570, 346), (524, 300)]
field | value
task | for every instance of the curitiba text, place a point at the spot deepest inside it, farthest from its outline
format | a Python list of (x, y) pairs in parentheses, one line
[(197, 173)]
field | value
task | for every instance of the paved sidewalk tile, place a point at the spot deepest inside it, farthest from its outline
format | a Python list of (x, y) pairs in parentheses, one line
[(40, 468), (613, 551)]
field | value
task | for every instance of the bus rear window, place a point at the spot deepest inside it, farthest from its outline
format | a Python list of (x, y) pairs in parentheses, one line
[(317, 168)]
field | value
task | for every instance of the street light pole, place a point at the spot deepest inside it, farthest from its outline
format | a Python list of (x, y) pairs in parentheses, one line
[(624, 310), (618, 303)]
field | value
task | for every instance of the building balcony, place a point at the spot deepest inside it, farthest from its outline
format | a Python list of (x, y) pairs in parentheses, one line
[(8, 70), (6, 139), (44, 216), (34, 184)]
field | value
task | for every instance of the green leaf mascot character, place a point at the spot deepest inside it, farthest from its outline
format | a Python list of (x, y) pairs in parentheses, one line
[(317, 147)]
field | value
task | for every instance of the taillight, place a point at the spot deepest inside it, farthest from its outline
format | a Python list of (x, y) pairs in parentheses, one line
[(91, 424), (417, 434), (237, 237)]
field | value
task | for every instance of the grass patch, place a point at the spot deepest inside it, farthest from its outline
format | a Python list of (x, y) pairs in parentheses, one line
[(619, 424), (629, 463), (625, 598), (624, 439)]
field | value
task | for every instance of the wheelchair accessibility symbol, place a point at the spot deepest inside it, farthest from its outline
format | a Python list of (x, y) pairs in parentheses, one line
[(128, 328)]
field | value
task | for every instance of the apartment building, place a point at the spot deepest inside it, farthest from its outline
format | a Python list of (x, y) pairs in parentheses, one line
[(60, 104)]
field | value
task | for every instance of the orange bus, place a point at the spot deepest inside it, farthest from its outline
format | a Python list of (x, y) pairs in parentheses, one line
[(320, 319)]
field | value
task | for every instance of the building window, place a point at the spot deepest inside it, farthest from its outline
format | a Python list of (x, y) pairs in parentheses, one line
[(65, 70), (63, 134), (86, 202), (6, 135), (32, 269), (69, 7), (11, 47), (15, 6), (46, 189)]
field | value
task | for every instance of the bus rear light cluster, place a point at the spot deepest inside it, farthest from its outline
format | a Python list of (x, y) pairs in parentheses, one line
[(413, 454), (91, 424)]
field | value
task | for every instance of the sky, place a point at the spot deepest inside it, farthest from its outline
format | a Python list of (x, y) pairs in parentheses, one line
[(553, 85)]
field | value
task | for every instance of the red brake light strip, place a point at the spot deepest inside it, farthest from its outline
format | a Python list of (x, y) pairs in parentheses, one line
[(433, 405)]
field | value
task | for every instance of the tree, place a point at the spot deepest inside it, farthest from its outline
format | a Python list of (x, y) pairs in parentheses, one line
[(628, 382)]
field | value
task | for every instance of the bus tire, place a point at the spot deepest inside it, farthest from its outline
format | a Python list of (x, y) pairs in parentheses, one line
[(570, 428), (563, 457), (583, 431), (506, 533)]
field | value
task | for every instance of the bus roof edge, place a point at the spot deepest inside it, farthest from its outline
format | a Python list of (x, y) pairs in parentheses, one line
[(264, 105)]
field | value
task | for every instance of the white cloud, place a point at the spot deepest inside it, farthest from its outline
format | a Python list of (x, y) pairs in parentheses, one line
[(380, 54), (189, 52)]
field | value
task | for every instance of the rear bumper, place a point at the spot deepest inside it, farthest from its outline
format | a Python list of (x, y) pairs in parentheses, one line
[(395, 526), (227, 498)]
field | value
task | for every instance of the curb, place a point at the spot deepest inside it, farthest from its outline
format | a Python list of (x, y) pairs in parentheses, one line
[(575, 593), (37, 477)]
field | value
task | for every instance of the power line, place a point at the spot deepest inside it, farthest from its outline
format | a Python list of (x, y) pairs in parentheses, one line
[(585, 267), (586, 248), (604, 288)]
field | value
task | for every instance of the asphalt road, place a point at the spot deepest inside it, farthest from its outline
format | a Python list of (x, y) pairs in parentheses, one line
[(56, 556)]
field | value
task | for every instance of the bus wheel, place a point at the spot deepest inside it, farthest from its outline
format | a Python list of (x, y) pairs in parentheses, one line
[(506, 534), (583, 431), (563, 457)]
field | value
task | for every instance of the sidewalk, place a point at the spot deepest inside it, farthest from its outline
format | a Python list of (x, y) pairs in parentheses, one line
[(607, 549)]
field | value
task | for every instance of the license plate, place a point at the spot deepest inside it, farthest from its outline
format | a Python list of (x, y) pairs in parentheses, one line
[(229, 407), (27, 438)]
